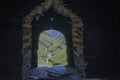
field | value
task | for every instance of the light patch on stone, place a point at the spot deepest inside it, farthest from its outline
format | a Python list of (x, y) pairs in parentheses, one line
[(51, 19), (37, 17)]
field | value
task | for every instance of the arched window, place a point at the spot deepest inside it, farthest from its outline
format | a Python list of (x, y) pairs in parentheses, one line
[(72, 30), (51, 48)]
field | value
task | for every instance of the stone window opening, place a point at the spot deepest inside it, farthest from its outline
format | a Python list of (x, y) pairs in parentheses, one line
[(72, 30)]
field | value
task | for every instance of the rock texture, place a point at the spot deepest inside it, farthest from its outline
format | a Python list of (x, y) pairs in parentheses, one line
[(59, 72)]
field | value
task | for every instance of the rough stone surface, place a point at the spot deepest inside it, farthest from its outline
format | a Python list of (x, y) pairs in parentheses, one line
[(59, 72)]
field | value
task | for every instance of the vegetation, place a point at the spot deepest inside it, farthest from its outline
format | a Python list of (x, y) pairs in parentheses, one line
[(51, 50)]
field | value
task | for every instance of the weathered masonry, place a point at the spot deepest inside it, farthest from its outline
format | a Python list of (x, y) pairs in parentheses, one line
[(74, 43)]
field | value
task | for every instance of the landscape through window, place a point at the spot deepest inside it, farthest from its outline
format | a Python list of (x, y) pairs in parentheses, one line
[(51, 48)]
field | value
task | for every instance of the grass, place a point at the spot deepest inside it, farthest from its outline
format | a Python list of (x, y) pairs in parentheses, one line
[(59, 58)]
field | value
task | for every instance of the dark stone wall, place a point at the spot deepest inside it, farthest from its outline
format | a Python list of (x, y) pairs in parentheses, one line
[(10, 45), (101, 39), (101, 36)]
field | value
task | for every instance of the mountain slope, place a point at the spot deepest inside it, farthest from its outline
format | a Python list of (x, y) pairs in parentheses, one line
[(54, 34), (52, 50)]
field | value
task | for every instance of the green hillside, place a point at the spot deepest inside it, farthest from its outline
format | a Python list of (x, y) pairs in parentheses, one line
[(51, 51)]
